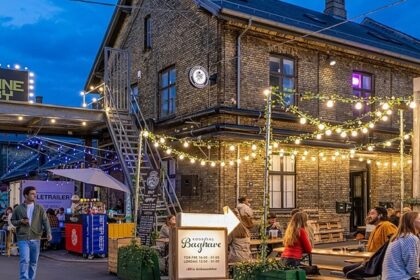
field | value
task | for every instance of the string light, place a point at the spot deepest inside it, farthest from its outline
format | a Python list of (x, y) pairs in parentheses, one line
[(181, 157), (389, 112), (253, 147), (203, 163), (213, 164), (407, 136), (330, 103), (162, 140), (303, 120), (343, 134), (368, 161), (254, 155), (156, 144), (20, 118), (354, 133), (52, 121), (222, 164), (232, 148), (385, 118), (275, 145), (370, 148), (192, 161), (145, 133), (186, 144), (371, 125), (305, 153), (388, 144), (313, 158), (231, 163), (297, 141), (338, 130), (321, 126), (365, 130), (84, 123), (413, 104), (385, 106), (328, 132), (358, 106), (168, 151)]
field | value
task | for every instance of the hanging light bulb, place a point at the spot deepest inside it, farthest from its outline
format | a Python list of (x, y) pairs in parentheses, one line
[(213, 164), (246, 158), (239, 161), (371, 125), (352, 151), (407, 136), (394, 164), (297, 141), (321, 126), (338, 130), (168, 151), (192, 161), (354, 133), (186, 144), (330, 103), (412, 104), (378, 114), (385, 118), (145, 133), (319, 136), (303, 120), (378, 163), (231, 163), (385, 106), (368, 161), (267, 92), (181, 157), (253, 147), (358, 106), (162, 140), (313, 158), (254, 155), (337, 153), (333, 157), (409, 161), (222, 164), (303, 157), (343, 157), (305, 153), (203, 163), (361, 159), (295, 152), (324, 159), (386, 163), (389, 112), (321, 154), (388, 144), (156, 144), (365, 130), (343, 134), (231, 148), (328, 132), (275, 145), (370, 148)]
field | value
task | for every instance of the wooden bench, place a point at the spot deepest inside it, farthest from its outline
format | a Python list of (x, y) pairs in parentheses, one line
[(322, 277), (329, 267)]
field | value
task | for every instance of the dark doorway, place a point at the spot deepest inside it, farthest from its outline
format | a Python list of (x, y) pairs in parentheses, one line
[(359, 195)]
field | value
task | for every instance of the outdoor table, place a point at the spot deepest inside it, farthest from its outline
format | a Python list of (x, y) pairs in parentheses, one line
[(336, 253)]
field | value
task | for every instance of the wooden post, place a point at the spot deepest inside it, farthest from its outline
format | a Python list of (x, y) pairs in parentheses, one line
[(416, 138)]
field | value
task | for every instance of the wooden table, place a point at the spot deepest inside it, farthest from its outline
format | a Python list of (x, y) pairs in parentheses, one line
[(256, 242), (330, 252)]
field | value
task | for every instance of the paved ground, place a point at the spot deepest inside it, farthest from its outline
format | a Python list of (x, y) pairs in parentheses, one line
[(49, 269)]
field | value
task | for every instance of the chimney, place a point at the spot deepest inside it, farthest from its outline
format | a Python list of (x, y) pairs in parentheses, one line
[(336, 8)]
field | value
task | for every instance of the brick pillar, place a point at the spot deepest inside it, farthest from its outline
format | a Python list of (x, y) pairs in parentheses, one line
[(416, 138)]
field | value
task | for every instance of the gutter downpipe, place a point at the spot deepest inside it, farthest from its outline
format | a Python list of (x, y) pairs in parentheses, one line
[(238, 99)]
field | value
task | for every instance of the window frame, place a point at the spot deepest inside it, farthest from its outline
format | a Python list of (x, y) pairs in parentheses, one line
[(147, 40), (282, 174), (162, 89), (281, 76), (366, 109)]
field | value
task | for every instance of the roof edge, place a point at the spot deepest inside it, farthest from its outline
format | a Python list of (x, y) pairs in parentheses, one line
[(234, 13)]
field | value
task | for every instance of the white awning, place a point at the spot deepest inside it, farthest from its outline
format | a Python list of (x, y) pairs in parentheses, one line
[(92, 176)]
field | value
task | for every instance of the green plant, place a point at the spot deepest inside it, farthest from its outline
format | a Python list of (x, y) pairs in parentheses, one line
[(249, 270), (141, 255), (412, 201)]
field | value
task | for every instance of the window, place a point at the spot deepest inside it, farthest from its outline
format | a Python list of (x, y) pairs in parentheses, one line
[(135, 95), (362, 87), (282, 182), (167, 92), (147, 33), (283, 76)]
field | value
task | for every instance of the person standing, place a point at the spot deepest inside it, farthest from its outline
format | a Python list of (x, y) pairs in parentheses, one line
[(61, 216), (402, 255), (245, 212), (30, 220), (384, 229)]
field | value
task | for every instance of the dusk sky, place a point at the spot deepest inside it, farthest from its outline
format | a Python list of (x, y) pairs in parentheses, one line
[(59, 39)]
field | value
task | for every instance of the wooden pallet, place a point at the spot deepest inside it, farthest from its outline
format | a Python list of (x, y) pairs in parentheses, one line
[(327, 232), (113, 245)]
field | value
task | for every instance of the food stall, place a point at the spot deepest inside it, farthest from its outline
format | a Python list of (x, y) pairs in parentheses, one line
[(86, 227)]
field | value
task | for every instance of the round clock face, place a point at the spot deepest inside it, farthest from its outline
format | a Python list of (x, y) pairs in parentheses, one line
[(199, 77)]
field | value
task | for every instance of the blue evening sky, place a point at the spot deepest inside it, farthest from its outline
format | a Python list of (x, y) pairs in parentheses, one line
[(59, 39)]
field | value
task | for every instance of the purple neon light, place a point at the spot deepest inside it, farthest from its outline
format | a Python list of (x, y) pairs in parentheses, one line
[(356, 80)]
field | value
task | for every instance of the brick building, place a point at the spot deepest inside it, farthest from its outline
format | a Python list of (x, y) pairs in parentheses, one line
[(247, 46)]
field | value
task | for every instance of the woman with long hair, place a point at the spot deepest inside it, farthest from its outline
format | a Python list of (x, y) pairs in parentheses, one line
[(296, 240), (166, 228), (239, 242), (402, 255)]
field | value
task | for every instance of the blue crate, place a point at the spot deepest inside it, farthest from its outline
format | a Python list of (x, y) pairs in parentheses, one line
[(3, 237)]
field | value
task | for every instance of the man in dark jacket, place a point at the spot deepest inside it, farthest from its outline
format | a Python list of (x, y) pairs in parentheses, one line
[(30, 220)]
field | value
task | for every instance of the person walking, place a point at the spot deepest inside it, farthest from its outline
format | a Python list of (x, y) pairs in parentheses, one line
[(245, 211), (30, 220), (401, 260), (384, 229), (296, 240)]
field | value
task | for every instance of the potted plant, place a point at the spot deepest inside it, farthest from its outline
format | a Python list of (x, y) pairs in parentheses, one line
[(136, 262), (412, 201), (268, 270)]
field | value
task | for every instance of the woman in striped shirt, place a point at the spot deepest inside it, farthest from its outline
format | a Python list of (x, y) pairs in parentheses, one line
[(401, 260)]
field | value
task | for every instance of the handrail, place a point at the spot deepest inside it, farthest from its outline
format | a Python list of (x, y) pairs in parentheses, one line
[(137, 107)]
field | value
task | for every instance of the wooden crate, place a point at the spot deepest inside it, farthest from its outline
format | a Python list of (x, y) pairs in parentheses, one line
[(120, 230), (113, 245), (327, 231)]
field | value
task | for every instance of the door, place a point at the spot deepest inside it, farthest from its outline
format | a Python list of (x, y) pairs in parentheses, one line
[(358, 198)]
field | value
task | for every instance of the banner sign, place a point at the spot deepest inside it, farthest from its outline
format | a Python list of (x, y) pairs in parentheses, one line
[(13, 85), (148, 207), (200, 253), (51, 194)]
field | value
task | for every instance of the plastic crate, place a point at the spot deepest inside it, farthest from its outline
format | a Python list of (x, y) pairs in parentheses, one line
[(3, 236)]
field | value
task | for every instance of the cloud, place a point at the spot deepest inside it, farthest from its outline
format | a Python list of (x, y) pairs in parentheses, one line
[(26, 12)]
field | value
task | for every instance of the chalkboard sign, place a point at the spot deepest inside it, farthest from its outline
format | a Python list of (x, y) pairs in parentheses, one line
[(148, 207)]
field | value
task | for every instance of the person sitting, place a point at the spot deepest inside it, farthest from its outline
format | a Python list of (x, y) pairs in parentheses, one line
[(402, 255), (273, 225), (296, 240), (166, 228), (393, 217), (379, 236), (52, 218), (239, 243)]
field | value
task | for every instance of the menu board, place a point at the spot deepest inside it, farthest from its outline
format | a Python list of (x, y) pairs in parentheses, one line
[(148, 207), (199, 253)]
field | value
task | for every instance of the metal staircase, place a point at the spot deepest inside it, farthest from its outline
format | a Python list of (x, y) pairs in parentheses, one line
[(125, 121)]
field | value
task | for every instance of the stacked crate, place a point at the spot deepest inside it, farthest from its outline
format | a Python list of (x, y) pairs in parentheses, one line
[(113, 245), (327, 231)]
